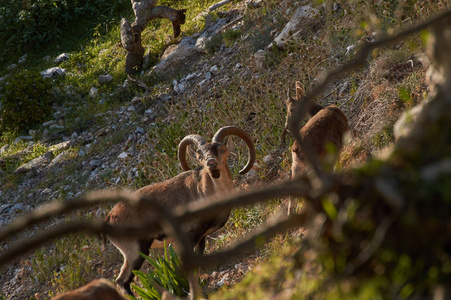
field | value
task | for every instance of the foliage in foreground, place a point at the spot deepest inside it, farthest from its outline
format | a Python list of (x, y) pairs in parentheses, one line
[(166, 273)]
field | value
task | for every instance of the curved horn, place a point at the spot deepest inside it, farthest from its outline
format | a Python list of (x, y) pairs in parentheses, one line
[(188, 140), (232, 130)]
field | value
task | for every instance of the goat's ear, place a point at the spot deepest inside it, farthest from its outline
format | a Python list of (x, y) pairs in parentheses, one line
[(299, 90), (229, 143)]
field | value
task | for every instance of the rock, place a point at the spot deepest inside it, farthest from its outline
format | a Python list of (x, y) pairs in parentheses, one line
[(180, 88), (123, 155), (81, 153), (208, 34), (214, 69), (259, 59), (62, 157), (60, 146), (53, 72), (140, 130), (47, 191), (35, 164), (103, 79), (23, 59), (208, 76), (95, 163), (302, 22), (182, 55), (12, 67), (47, 124), (254, 4), (93, 92), (60, 58)]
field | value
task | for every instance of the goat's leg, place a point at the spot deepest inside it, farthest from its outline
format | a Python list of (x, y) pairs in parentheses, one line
[(132, 261)]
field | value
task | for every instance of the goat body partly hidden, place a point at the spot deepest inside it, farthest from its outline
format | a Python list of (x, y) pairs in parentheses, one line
[(213, 177), (324, 133)]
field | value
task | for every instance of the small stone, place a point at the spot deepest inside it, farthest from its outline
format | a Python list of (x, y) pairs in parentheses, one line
[(95, 162), (93, 92), (208, 76), (60, 58), (214, 69), (140, 130), (74, 135), (53, 72), (47, 191), (130, 108), (81, 153), (23, 59), (12, 66), (47, 124), (123, 155), (105, 79)]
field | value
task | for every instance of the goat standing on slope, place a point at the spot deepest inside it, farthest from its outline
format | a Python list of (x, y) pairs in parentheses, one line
[(324, 132), (212, 177)]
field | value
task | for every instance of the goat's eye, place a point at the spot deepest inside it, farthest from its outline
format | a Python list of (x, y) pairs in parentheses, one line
[(222, 151)]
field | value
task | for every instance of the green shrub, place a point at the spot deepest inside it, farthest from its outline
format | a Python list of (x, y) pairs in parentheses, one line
[(27, 101), (30, 25), (167, 273)]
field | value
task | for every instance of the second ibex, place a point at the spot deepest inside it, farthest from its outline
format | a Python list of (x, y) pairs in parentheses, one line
[(212, 177)]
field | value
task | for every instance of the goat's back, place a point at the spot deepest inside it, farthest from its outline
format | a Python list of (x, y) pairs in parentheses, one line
[(171, 193), (98, 289), (327, 126)]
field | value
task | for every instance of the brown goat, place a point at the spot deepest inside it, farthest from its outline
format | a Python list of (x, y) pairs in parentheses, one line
[(98, 289), (212, 177), (324, 132)]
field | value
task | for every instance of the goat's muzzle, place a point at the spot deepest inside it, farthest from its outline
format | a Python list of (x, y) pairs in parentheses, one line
[(212, 165)]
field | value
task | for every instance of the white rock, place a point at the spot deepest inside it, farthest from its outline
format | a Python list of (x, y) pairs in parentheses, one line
[(123, 155), (47, 191), (53, 72), (214, 69), (60, 58), (93, 92)]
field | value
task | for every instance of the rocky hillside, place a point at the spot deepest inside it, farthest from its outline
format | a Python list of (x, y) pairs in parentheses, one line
[(232, 65)]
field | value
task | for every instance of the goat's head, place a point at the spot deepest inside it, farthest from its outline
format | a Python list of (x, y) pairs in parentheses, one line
[(213, 156), (291, 101)]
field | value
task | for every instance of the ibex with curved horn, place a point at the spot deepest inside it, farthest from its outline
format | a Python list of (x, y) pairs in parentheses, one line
[(212, 177)]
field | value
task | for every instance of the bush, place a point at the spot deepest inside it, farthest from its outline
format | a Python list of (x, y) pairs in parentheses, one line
[(167, 273), (30, 25), (27, 101)]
